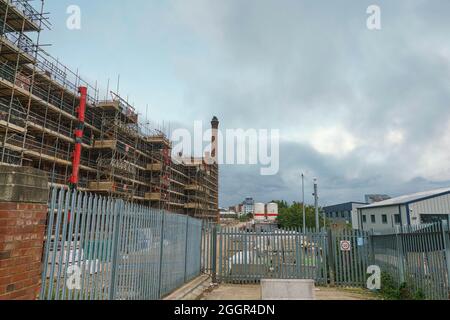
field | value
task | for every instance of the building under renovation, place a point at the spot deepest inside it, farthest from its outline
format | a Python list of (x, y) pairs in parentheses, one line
[(53, 120)]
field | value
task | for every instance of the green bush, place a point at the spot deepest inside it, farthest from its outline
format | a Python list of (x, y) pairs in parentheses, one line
[(390, 290), (245, 218), (404, 293), (419, 295)]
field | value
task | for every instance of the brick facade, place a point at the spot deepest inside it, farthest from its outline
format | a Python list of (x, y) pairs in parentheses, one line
[(22, 228), (23, 214)]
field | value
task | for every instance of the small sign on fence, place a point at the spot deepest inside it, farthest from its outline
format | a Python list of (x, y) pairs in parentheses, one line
[(360, 241), (346, 245)]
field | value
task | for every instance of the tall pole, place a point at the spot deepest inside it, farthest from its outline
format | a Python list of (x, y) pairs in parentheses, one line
[(303, 203), (316, 205), (76, 160), (215, 164)]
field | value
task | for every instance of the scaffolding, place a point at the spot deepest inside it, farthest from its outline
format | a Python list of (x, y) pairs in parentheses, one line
[(113, 152)]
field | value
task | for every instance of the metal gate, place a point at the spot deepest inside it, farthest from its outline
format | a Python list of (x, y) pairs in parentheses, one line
[(416, 256), (350, 255), (248, 257), (209, 248), (339, 258)]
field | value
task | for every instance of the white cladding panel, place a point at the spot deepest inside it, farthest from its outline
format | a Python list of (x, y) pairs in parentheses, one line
[(378, 212), (436, 206), (355, 220)]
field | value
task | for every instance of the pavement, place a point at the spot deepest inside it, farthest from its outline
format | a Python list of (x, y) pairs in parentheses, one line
[(191, 290), (253, 292)]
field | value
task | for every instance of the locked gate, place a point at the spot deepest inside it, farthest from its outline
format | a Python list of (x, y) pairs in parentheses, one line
[(350, 255), (339, 258), (248, 257)]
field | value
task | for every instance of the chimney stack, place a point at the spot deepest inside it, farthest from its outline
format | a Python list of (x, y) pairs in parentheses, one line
[(214, 139), (214, 151)]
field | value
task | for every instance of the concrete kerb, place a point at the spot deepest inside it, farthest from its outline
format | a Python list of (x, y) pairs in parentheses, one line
[(192, 290)]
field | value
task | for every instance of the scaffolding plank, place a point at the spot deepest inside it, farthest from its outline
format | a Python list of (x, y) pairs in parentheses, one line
[(10, 127)]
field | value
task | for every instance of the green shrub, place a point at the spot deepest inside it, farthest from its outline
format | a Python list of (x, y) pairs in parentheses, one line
[(419, 295), (391, 291), (404, 292)]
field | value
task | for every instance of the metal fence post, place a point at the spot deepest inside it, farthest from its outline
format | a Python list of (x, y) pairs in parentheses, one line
[(401, 256), (371, 235), (161, 255), (186, 249), (119, 208), (202, 257), (331, 258), (214, 254), (446, 236)]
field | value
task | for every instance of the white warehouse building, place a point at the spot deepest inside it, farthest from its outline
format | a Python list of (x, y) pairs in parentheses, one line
[(414, 209)]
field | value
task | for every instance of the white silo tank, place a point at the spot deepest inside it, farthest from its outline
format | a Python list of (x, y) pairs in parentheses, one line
[(260, 211), (272, 211)]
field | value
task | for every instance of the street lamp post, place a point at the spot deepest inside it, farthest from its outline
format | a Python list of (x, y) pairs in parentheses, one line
[(303, 204), (316, 204)]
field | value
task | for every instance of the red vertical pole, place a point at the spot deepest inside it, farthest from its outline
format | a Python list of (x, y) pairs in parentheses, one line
[(79, 131)]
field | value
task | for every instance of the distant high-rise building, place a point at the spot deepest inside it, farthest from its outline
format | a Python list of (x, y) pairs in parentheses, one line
[(248, 206), (373, 198)]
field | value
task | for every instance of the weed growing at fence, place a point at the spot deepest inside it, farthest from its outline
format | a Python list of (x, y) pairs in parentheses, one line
[(391, 291)]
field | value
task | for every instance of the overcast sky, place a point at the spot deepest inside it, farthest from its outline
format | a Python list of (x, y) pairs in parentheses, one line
[(363, 111)]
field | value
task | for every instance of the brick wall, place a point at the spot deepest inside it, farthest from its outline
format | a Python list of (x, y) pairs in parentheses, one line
[(22, 228)]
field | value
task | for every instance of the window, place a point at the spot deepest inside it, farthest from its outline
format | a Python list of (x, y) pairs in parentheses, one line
[(398, 219), (373, 218), (364, 219), (385, 219), (433, 218)]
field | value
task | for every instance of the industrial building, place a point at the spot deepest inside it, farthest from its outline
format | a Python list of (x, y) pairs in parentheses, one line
[(344, 213), (423, 207), (53, 120)]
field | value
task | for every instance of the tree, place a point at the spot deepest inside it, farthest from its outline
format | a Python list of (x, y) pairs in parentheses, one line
[(281, 204), (246, 217), (292, 216)]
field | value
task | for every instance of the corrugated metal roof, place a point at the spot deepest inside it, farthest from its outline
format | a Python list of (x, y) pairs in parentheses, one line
[(409, 198)]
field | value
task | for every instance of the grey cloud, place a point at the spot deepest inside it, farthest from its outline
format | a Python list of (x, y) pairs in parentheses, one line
[(300, 65), (295, 65)]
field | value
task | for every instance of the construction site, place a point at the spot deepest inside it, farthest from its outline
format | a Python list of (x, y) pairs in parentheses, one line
[(53, 120)]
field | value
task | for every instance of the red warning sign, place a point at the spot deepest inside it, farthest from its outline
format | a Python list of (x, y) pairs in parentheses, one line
[(346, 245)]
